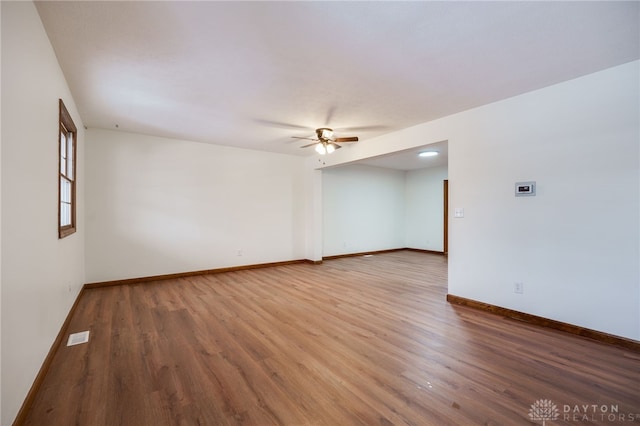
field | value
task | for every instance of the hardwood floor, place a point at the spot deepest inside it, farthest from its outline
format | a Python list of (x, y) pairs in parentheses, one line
[(354, 341)]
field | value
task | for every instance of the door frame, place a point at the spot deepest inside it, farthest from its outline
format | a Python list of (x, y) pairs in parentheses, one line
[(446, 216)]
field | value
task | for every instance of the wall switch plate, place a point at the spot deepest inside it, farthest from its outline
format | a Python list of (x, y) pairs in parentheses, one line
[(458, 212), (518, 288)]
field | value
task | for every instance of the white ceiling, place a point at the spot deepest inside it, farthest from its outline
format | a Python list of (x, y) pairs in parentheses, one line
[(254, 74), (408, 159)]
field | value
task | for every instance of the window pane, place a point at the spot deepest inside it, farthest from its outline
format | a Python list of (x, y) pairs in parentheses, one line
[(65, 214), (70, 155), (63, 154), (65, 202), (65, 190), (63, 145)]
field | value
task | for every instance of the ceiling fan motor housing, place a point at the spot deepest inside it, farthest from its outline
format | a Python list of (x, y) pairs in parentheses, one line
[(324, 133)]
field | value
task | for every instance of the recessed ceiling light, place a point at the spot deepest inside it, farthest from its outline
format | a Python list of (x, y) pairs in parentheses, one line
[(428, 154)]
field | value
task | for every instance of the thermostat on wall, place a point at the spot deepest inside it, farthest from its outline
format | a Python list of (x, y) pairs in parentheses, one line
[(525, 189)]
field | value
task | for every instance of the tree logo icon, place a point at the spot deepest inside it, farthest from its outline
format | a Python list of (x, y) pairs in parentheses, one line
[(544, 409)]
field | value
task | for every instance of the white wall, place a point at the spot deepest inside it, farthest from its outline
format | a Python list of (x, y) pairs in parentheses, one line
[(424, 205), (363, 209), (371, 208), (41, 275), (313, 214), (159, 206), (576, 245)]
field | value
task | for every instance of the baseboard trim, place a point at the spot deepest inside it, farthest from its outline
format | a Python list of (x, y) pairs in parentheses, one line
[(366, 253), (599, 336), (163, 277), (363, 253), (177, 275), (427, 251), (46, 364)]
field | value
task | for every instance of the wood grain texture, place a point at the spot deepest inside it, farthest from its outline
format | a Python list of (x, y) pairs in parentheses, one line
[(633, 345), (46, 364), (353, 341)]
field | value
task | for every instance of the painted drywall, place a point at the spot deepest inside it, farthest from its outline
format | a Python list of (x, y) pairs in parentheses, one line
[(160, 206), (363, 209), (41, 274), (575, 246), (313, 214), (424, 206), (367, 208)]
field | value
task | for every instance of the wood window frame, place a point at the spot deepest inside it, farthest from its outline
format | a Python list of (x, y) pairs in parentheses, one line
[(67, 159)]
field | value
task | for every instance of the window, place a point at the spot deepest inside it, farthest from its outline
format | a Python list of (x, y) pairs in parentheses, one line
[(67, 174)]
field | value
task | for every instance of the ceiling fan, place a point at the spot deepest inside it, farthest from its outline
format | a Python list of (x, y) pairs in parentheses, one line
[(325, 142)]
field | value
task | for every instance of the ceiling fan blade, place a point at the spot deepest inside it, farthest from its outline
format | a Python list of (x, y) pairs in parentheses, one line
[(280, 124), (330, 113), (351, 139), (299, 137), (311, 144), (377, 128)]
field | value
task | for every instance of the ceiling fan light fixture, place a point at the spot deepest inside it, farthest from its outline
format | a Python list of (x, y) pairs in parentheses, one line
[(428, 154), (325, 143), (320, 149)]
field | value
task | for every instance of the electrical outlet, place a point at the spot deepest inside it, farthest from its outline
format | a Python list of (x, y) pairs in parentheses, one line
[(239, 252), (518, 288)]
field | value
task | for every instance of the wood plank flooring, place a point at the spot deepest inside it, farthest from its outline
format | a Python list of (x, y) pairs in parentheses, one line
[(354, 341)]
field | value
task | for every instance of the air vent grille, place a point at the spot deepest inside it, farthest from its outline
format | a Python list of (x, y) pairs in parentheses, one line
[(78, 338)]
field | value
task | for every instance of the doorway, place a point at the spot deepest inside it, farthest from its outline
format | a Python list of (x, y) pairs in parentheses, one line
[(446, 216)]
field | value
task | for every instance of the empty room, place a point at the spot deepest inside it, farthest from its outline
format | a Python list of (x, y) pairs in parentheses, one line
[(319, 213)]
